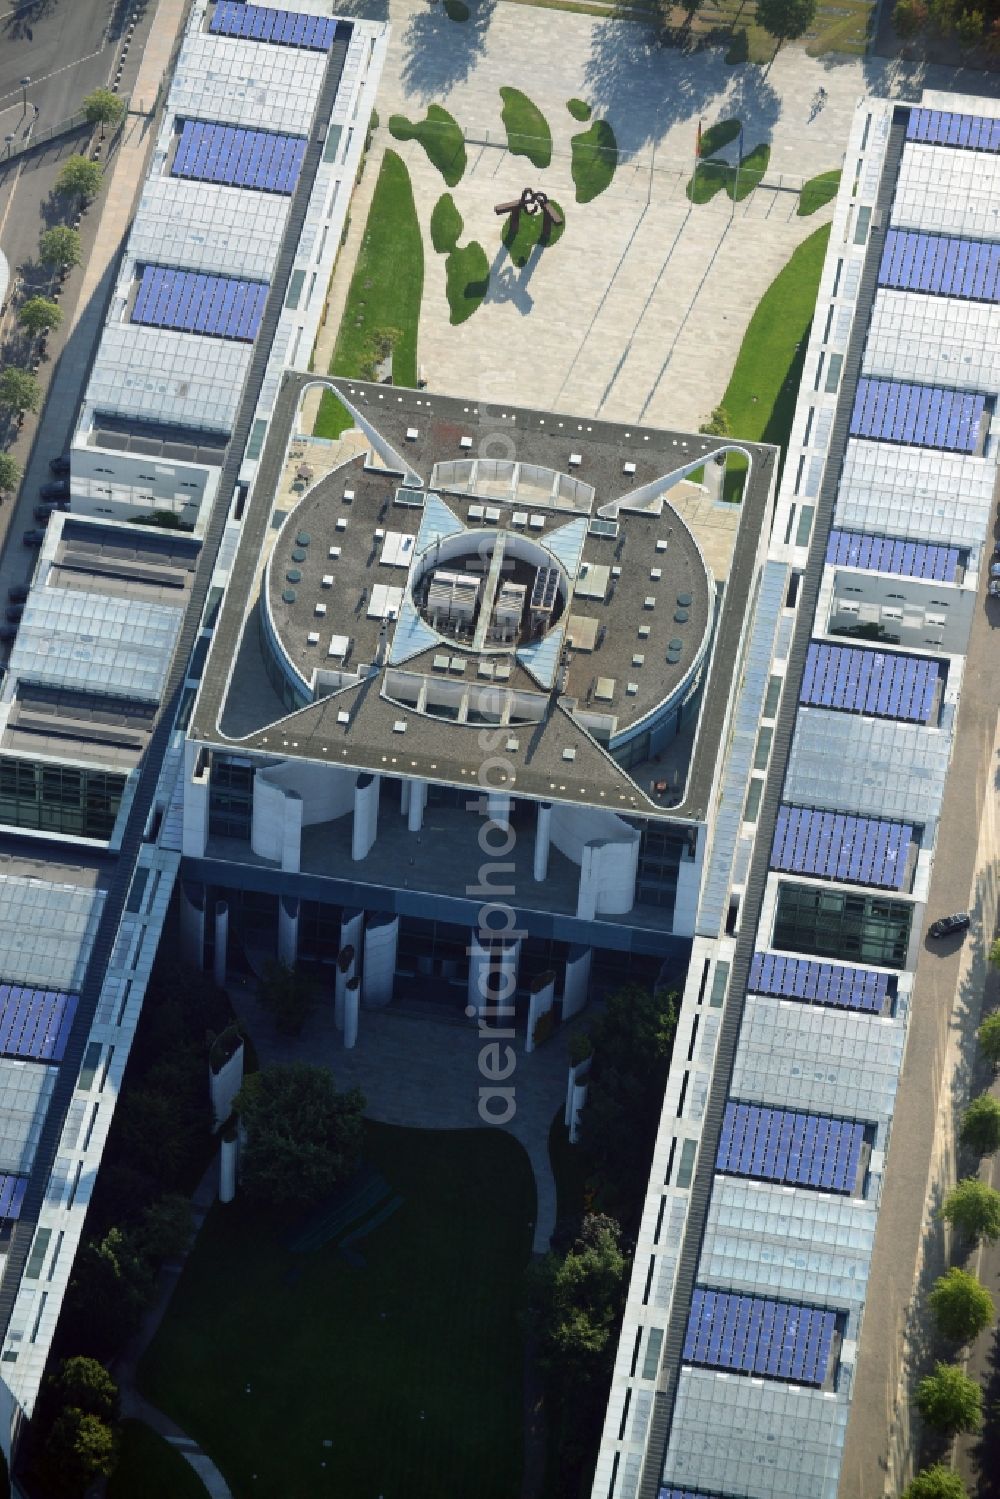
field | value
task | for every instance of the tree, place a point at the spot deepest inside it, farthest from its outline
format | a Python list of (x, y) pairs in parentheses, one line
[(85, 1384), (288, 995), (950, 1400), (980, 1128), (302, 1136), (970, 28), (988, 1034), (79, 1449), (909, 17), (973, 1209), (38, 315), (786, 19), (718, 424), (961, 1304), (10, 473), (19, 389), (936, 1483), (103, 107), (80, 178), (108, 1290), (165, 1228), (59, 248)]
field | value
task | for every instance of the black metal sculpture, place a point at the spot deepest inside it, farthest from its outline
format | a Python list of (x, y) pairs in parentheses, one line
[(531, 201)]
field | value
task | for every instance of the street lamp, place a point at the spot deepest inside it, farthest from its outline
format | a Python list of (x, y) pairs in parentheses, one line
[(10, 141), (24, 94)]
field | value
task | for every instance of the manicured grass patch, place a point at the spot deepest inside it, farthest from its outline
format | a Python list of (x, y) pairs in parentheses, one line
[(148, 1465), (456, 10), (412, 1344), (579, 109), (332, 418), (529, 232), (468, 272), (383, 303), (446, 224), (760, 397), (716, 136), (569, 1167), (595, 156), (709, 177), (747, 176), (817, 192), (528, 132), (441, 137)]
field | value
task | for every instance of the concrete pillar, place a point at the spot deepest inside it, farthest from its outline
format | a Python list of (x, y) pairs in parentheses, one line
[(345, 971), (221, 941), (575, 1075), (381, 943), (194, 831), (365, 816), (352, 920), (227, 1168), (586, 895), (498, 808), (540, 1002), (352, 1000), (576, 979), (224, 1084), (417, 803), (404, 795), (479, 972), (192, 913), (504, 986), (288, 930), (291, 832), (579, 1099), (543, 837)]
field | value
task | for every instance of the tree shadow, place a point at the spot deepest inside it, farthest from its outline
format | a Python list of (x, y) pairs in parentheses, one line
[(439, 52)]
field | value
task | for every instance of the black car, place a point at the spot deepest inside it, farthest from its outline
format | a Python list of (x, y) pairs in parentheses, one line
[(57, 490), (33, 538), (947, 926), (18, 593), (42, 513), (59, 465)]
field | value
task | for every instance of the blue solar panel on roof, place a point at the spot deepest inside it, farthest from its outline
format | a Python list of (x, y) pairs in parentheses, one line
[(35, 1023), (218, 306), (834, 846), (12, 1190), (855, 679), (258, 159), (939, 127), (941, 265), (675, 1493), (886, 554), (259, 23), (755, 1335), (923, 416), (797, 1149)]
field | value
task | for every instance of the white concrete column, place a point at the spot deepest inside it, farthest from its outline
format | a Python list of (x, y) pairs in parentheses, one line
[(192, 913), (224, 1085), (575, 1076), (288, 930), (540, 1001), (228, 1152), (194, 834), (352, 1000), (381, 944), (579, 1099), (417, 803), (404, 795), (365, 816), (576, 979), (688, 889), (543, 837), (352, 920), (479, 972), (345, 972), (221, 941), (498, 808), (291, 832), (586, 895)]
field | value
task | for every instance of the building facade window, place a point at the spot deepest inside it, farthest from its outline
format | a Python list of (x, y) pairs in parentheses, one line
[(839, 924), (230, 797), (60, 798)]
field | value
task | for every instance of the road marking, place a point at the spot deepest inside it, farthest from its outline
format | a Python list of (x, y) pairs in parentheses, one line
[(16, 93)]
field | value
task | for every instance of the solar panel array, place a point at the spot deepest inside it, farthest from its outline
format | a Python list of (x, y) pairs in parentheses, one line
[(258, 23), (672, 1493), (818, 983), (867, 681), (545, 588), (35, 1023), (941, 265), (261, 159), (801, 1150), (922, 416), (219, 306), (753, 1335), (835, 846), (940, 127), (885, 554), (12, 1190)]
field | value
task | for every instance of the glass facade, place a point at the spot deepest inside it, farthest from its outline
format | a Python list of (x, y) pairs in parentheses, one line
[(841, 924), (661, 851), (230, 797), (66, 799)]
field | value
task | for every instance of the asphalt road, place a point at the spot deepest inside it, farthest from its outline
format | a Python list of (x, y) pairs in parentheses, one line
[(63, 46)]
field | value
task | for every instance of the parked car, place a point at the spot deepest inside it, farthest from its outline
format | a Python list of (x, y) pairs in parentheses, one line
[(18, 593), (993, 588), (59, 465), (42, 513), (947, 926), (33, 538), (57, 490), (14, 613), (8, 632)]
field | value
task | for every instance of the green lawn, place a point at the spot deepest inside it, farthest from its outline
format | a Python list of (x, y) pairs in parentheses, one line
[(529, 229), (383, 303), (817, 192), (718, 135), (446, 224), (411, 1365), (579, 109), (468, 272), (441, 137), (150, 1467), (595, 156), (711, 175), (528, 132), (761, 394), (332, 418), (747, 176)]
